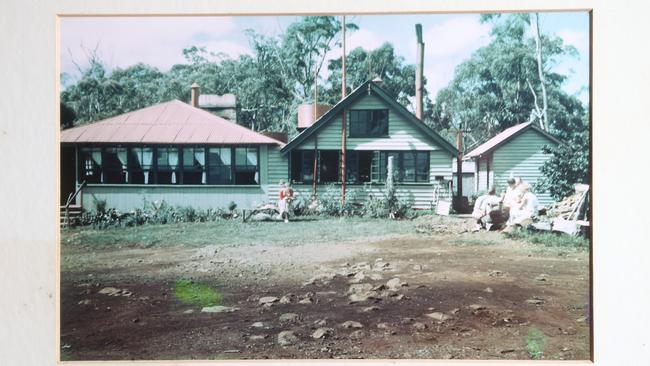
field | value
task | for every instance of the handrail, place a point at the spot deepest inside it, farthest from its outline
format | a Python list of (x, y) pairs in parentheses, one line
[(73, 196)]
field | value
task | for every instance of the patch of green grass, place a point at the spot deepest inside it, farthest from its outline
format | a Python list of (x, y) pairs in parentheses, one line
[(302, 230), (535, 343), (193, 293), (555, 240)]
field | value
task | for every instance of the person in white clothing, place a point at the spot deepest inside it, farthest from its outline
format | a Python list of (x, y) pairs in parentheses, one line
[(526, 208), (483, 207)]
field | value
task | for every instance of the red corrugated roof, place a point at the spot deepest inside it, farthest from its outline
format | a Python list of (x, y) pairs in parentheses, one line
[(497, 140), (172, 122)]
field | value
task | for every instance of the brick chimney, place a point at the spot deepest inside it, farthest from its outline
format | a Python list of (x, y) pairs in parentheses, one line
[(196, 90)]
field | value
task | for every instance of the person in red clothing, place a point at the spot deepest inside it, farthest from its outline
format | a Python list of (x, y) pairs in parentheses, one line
[(284, 203)]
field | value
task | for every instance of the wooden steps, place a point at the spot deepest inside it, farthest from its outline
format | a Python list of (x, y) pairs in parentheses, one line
[(71, 216)]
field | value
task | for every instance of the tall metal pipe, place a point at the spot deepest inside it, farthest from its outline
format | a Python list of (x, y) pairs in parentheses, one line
[(419, 73)]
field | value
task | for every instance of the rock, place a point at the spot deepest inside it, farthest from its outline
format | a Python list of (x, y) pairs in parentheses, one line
[(495, 273), (453, 311), (285, 299), (542, 277), (357, 277), (395, 283), (321, 322), (357, 334), (407, 321), (359, 288), (382, 325), (369, 309), (419, 326), (488, 290), (287, 338), (305, 301), (381, 266), (370, 295), (325, 293), (188, 311), (535, 301), (322, 333), (289, 318), (351, 324), (267, 300), (375, 276), (257, 325), (85, 302), (379, 287), (417, 267), (258, 337), (110, 291), (477, 307), (581, 319), (438, 316), (218, 309), (399, 297)]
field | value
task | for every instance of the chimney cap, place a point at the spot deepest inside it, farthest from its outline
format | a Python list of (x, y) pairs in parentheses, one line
[(194, 86), (377, 80)]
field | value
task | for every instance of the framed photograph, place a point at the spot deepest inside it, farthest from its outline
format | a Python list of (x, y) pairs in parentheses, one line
[(373, 182)]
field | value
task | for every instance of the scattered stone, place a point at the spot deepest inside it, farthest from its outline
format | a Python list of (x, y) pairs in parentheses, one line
[(419, 326), (477, 307), (438, 316), (542, 277), (358, 277), (453, 311), (507, 350), (495, 273), (382, 325), (535, 301), (379, 260), (110, 291), (581, 319), (85, 302), (257, 325), (488, 290), (375, 276), (321, 322), (395, 283), (417, 267), (287, 338), (400, 297), (325, 293), (351, 324), (379, 287), (218, 309), (381, 266), (369, 309), (258, 337), (358, 334), (188, 311), (370, 295), (268, 300), (285, 299), (305, 301), (322, 333), (231, 351), (289, 318), (359, 288), (407, 321)]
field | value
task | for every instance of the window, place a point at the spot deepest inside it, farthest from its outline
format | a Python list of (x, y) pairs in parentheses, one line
[(140, 165), (368, 123), (219, 165), (167, 164), (246, 166), (358, 165), (409, 166), (115, 165), (194, 165), (90, 160), (302, 166), (329, 166)]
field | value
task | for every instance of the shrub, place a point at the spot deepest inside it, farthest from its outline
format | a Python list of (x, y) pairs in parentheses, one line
[(330, 202), (193, 293)]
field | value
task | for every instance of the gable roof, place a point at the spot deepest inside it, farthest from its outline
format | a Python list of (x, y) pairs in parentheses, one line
[(172, 122), (505, 136), (369, 86)]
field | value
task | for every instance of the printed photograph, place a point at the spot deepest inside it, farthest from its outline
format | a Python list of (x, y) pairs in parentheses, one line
[(394, 186)]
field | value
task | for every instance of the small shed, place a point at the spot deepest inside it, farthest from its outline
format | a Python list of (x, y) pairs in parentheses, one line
[(515, 152)]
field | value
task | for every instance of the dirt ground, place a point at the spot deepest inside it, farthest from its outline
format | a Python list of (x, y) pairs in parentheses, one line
[(486, 293)]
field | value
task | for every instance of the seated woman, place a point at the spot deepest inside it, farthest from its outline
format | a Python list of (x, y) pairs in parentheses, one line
[(525, 208), (483, 207)]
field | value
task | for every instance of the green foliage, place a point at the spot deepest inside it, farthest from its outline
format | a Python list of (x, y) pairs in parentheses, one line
[(330, 202), (554, 240), (192, 293), (67, 116), (535, 343)]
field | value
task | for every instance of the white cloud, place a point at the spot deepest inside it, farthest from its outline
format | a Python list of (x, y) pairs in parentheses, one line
[(456, 36), (124, 41), (577, 39), (365, 39)]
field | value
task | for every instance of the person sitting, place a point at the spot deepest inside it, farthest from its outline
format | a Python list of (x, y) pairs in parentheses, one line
[(483, 207), (286, 196), (526, 207)]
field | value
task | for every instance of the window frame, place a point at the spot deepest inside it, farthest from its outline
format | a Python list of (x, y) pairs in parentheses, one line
[(355, 133)]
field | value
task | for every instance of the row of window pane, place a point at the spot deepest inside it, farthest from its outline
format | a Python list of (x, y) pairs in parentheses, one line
[(169, 165), (361, 166), (368, 122)]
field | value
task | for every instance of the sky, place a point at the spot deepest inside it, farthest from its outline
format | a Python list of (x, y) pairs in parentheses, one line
[(449, 40)]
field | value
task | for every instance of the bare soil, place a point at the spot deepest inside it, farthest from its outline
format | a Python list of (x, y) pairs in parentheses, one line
[(445, 273)]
